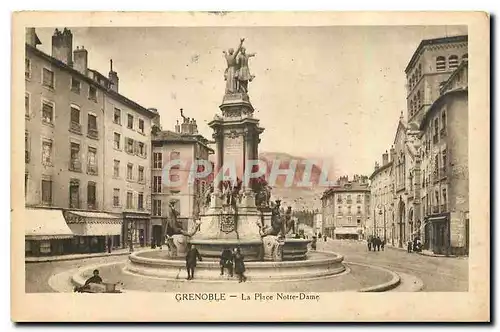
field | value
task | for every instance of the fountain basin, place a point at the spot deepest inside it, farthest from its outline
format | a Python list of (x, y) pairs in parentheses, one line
[(295, 249), (211, 249), (155, 263)]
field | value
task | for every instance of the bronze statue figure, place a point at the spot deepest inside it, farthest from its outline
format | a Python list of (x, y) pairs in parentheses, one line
[(230, 72)]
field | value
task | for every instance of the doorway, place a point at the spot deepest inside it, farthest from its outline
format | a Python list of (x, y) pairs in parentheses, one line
[(157, 235)]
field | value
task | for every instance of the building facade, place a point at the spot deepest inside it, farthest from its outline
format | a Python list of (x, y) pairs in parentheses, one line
[(69, 112), (346, 208), (187, 146), (421, 161), (445, 176), (382, 201)]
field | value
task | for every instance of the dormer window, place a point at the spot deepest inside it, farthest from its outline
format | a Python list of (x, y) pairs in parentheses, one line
[(93, 93)]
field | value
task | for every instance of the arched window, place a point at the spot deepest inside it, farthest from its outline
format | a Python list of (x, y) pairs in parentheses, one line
[(453, 62), (440, 63), (419, 100)]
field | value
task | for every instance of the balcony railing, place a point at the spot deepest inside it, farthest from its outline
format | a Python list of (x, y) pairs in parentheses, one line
[(93, 133), (75, 127), (75, 165), (92, 169), (442, 173)]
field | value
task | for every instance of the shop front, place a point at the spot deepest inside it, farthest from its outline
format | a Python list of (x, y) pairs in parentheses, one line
[(46, 233), (136, 229), (94, 231), (437, 234), (346, 233)]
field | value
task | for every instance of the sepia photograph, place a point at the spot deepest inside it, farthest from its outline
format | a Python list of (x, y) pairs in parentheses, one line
[(238, 164)]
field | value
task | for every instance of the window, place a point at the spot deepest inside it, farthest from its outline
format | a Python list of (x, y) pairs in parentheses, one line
[(157, 184), (130, 169), (436, 165), (444, 160), (140, 149), (453, 62), (130, 197), (117, 117), (47, 112), (130, 121), (349, 219), (116, 168), (444, 197), (27, 104), (358, 199), (411, 108), (443, 121), (156, 207), (93, 93), (419, 100), (47, 191), (141, 126), (157, 160), (75, 125), (140, 177), (117, 139), (75, 164), (75, 85), (92, 161), (436, 131), (440, 63), (129, 148), (91, 195), (27, 147), (92, 126), (47, 152), (48, 78), (419, 71), (349, 209), (140, 201), (74, 194), (27, 68), (359, 222), (359, 210), (116, 197), (349, 199)]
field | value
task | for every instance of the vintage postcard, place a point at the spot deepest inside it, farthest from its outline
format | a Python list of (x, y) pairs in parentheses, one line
[(278, 167)]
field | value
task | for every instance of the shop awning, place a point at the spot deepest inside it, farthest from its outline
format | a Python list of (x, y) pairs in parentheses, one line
[(345, 230), (85, 223), (45, 224)]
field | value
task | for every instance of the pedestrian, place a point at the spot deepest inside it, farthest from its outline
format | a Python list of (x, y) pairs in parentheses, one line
[(153, 244), (191, 257), (313, 243), (382, 244), (377, 243), (369, 244), (239, 265), (226, 261), (324, 238), (409, 246)]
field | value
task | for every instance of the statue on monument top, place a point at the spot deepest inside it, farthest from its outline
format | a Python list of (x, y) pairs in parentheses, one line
[(237, 74)]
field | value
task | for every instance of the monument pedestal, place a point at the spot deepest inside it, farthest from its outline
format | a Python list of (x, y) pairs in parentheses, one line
[(224, 225)]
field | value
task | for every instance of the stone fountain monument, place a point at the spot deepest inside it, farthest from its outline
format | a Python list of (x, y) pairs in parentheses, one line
[(231, 217)]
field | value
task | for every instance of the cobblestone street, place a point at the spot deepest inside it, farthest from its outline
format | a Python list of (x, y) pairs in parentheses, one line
[(437, 273)]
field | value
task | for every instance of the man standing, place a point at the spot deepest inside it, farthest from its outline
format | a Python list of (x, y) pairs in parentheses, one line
[(226, 261), (191, 258)]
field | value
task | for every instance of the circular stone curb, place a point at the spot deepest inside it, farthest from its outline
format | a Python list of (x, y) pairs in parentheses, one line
[(393, 283), (279, 271)]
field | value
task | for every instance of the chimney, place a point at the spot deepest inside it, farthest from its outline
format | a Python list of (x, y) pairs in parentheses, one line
[(177, 127), (113, 77), (195, 127), (393, 154), (32, 38), (80, 58), (62, 46), (385, 158)]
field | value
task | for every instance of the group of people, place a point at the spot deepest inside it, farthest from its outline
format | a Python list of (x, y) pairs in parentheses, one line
[(376, 243), (232, 261), (415, 246)]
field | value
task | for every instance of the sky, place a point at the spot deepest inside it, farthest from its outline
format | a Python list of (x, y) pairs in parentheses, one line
[(333, 93)]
